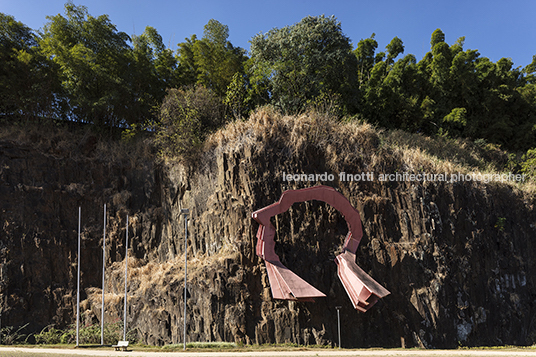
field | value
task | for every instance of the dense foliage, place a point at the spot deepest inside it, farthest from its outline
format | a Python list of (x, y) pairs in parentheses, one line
[(298, 63), (185, 117), (29, 83), (80, 68), (451, 91)]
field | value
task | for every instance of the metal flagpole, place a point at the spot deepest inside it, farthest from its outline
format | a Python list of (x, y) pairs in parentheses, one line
[(126, 275), (339, 323), (103, 269), (78, 283), (185, 212)]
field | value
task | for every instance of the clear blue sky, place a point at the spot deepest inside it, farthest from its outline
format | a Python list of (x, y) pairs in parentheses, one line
[(496, 28)]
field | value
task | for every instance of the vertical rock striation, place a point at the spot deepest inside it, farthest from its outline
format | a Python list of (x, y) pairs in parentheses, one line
[(458, 258)]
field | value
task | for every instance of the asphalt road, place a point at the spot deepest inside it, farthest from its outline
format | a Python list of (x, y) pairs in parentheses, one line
[(51, 352)]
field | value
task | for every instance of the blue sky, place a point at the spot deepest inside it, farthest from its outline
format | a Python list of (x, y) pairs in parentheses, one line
[(496, 28)]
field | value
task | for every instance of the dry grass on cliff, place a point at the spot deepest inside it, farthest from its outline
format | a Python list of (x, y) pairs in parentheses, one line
[(342, 142), (360, 145), (459, 151), (143, 277), (78, 142), (152, 274), (321, 130), (94, 297), (419, 153)]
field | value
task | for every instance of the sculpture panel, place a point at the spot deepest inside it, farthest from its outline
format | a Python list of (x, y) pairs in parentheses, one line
[(363, 291)]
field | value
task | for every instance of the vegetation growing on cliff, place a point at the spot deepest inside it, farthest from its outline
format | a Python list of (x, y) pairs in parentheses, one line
[(348, 144), (80, 68), (304, 97), (245, 159)]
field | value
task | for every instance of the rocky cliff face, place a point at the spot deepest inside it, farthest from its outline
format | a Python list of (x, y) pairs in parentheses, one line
[(457, 257)]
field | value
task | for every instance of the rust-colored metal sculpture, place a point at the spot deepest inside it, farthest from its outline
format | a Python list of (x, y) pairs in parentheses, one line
[(285, 284)]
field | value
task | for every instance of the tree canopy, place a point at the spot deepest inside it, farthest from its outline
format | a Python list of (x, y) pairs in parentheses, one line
[(94, 65), (29, 88), (451, 91), (82, 68), (211, 61), (298, 63)]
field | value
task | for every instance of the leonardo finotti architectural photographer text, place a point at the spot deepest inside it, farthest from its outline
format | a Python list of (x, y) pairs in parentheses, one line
[(406, 176)]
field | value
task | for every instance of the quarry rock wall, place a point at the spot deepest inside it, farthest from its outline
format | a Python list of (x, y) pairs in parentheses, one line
[(458, 258)]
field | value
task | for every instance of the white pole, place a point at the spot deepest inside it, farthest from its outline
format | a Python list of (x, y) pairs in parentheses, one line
[(126, 275), (78, 283), (185, 212), (103, 270), (339, 323)]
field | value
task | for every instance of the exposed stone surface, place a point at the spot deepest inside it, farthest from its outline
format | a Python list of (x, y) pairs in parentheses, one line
[(458, 258)]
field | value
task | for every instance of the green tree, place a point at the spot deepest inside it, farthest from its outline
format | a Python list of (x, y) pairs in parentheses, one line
[(29, 84), (237, 97), (298, 63), (211, 61), (155, 71), (437, 37), (528, 166), (186, 66), (94, 60), (449, 91), (476, 98), (394, 48), (186, 116), (530, 71), (365, 54), (390, 89)]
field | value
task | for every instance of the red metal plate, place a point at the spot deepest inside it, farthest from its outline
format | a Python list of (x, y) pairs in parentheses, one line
[(285, 284)]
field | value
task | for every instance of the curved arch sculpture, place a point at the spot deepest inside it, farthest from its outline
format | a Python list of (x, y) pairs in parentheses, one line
[(363, 291)]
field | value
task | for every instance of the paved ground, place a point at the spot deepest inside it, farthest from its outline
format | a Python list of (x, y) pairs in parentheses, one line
[(51, 352)]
